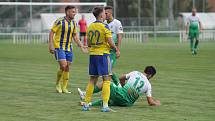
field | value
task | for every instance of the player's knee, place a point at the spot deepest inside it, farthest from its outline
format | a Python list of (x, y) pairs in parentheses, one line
[(106, 78), (93, 79), (63, 67), (67, 68)]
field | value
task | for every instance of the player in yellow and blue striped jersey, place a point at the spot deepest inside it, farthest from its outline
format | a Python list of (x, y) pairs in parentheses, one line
[(60, 44)]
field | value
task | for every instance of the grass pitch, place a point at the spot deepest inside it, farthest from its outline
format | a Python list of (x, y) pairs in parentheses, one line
[(185, 84)]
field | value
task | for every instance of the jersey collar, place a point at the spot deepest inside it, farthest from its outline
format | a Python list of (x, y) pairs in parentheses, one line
[(98, 21), (67, 19), (110, 20)]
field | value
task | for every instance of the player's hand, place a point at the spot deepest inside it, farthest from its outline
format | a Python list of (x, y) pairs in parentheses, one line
[(117, 53), (84, 49), (201, 30), (158, 103), (186, 33), (51, 49)]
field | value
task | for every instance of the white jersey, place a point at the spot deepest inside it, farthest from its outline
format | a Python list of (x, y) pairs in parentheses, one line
[(192, 18), (139, 82), (116, 28), (193, 21)]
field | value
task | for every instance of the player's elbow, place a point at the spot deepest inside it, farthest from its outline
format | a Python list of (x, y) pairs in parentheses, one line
[(51, 34)]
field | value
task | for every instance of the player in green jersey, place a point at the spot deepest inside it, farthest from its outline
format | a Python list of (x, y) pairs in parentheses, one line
[(194, 26), (131, 87)]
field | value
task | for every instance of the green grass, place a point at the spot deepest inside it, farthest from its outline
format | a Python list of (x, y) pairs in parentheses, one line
[(185, 84)]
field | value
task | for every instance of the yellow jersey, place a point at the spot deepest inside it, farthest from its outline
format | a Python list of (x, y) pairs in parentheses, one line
[(64, 31), (97, 34)]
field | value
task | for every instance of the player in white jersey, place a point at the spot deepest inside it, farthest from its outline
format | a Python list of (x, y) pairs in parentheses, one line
[(116, 29), (194, 26), (134, 84)]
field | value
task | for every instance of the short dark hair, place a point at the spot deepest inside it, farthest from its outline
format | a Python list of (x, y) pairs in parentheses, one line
[(150, 70), (108, 7), (69, 7), (97, 11)]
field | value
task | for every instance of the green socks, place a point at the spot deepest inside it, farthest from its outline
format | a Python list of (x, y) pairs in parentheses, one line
[(96, 89), (115, 79)]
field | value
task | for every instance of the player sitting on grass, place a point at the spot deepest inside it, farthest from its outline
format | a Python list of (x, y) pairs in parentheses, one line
[(133, 85)]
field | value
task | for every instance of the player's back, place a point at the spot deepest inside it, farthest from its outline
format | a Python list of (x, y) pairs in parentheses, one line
[(137, 84), (138, 81), (97, 34)]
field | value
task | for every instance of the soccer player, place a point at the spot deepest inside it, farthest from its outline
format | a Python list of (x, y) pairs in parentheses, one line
[(60, 44), (134, 84), (194, 26), (83, 29), (99, 43), (117, 31)]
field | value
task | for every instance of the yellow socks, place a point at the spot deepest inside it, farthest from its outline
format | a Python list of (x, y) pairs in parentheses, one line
[(89, 92), (59, 75), (58, 82), (105, 93), (65, 82)]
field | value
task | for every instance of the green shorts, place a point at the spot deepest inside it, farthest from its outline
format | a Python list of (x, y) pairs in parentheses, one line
[(113, 58), (118, 96), (194, 34)]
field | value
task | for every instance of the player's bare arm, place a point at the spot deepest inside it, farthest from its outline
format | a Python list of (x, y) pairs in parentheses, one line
[(153, 102), (119, 38), (112, 45), (186, 27), (51, 46), (201, 27), (78, 42)]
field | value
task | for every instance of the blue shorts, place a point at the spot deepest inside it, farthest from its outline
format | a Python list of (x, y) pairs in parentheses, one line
[(100, 65), (61, 54)]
